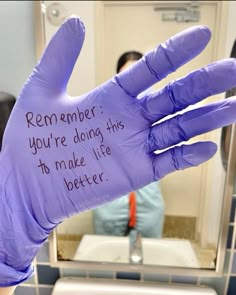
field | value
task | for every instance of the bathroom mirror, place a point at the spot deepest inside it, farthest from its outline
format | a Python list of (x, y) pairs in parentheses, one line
[(197, 200)]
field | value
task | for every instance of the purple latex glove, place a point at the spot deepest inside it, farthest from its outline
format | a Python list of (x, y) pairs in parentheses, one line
[(62, 155)]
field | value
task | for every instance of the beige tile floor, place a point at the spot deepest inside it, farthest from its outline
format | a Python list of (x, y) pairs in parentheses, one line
[(66, 246), (179, 227), (205, 256)]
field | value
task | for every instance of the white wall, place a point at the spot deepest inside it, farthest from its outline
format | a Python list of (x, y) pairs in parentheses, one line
[(83, 77), (17, 51), (231, 28)]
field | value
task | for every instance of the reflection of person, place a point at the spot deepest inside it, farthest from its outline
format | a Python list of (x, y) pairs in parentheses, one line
[(75, 168), (143, 209)]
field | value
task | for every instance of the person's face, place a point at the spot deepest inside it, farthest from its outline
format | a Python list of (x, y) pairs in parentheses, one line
[(127, 65)]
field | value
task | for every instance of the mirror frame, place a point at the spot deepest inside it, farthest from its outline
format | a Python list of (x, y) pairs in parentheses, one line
[(39, 11)]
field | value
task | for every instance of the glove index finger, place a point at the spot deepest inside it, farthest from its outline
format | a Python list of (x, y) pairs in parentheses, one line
[(164, 59)]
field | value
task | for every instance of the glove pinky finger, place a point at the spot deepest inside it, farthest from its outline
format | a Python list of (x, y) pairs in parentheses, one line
[(182, 157)]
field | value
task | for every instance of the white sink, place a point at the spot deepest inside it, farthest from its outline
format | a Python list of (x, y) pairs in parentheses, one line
[(81, 286), (168, 252)]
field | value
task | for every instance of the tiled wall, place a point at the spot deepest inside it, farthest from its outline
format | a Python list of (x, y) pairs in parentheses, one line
[(45, 276)]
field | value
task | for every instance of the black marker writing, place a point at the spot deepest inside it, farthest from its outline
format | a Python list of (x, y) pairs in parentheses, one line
[(83, 181), (73, 163), (44, 168), (101, 152), (113, 127), (39, 120), (87, 135), (37, 143)]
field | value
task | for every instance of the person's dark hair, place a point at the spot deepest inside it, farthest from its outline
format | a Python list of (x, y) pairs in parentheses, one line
[(127, 56), (7, 102)]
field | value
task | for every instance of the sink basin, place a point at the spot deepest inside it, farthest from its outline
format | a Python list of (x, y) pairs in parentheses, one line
[(167, 252), (103, 249), (171, 252)]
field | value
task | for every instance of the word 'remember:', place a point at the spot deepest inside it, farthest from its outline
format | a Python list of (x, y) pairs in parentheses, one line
[(39, 120)]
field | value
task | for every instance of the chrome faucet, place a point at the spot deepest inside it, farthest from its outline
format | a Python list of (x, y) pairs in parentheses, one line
[(135, 243)]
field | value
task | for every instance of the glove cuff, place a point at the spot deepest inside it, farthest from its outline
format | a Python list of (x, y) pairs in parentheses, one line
[(11, 277)]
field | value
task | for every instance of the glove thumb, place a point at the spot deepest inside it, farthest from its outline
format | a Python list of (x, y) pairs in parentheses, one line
[(54, 69)]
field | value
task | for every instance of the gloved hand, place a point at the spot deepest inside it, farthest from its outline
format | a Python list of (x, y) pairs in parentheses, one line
[(62, 155)]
